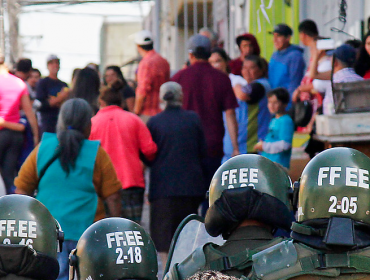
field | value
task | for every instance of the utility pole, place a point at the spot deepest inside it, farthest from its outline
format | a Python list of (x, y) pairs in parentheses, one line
[(13, 12), (2, 30), (157, 25)]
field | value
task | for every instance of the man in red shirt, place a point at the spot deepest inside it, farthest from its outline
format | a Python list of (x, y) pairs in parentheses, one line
[(153, 71), (208, 92)]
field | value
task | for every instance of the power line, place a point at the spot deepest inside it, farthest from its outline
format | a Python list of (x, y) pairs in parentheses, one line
[(43, 2), (80, 14)]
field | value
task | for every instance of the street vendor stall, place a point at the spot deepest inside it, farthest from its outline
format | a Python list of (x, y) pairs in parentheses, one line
[(350, 126)]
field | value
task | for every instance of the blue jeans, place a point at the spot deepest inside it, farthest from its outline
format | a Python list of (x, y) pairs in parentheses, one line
[(63, 259)]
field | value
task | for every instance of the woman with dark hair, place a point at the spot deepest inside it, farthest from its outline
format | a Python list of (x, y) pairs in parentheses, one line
[(125, 138), (250, 90), (87, 86), (74, 76), (72, 176), (111, 75), (362, 64), (252, 114), (220, 60)]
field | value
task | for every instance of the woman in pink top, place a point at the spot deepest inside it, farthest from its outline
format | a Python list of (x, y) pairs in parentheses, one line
[(125, 138), (13, 97)]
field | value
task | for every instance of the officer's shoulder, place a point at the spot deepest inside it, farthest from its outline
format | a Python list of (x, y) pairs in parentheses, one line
[(275, 259)]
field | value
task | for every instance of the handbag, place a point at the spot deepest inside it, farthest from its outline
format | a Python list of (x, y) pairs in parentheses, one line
[(301, 113)]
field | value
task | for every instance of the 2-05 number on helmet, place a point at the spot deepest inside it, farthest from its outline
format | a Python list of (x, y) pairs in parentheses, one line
[(347, 204)]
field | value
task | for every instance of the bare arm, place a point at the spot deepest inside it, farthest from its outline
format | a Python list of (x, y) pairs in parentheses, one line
[(323, 75), (11, 126), (130, 102), (313, 73), (57, 101), (238, 91), (232, 127), (139, 100), (26, 105), (114, 204)]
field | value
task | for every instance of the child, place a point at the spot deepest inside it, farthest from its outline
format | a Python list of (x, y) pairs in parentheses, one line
[(277, 145)]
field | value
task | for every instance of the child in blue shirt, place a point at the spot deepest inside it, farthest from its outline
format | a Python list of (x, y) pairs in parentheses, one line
[(277, 145)]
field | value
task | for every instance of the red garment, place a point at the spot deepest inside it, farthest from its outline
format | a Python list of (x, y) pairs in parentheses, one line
[(11, 90), (367, 74), (153, 71), (236, 66), (208, 92), (123, 135)]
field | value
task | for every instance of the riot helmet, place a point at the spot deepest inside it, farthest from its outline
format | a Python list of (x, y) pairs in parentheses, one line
[(29, 236), (335, 183), (114, 248), (334, 201), (248, 186)]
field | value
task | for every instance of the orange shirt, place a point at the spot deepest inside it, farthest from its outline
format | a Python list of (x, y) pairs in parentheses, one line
[(153, 71), (124, 135)]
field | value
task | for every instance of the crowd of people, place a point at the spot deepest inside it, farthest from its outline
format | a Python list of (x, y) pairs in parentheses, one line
[(81, 149)]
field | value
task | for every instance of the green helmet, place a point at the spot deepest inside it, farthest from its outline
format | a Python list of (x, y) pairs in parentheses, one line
[(26, 221), (114, 248), (335, 183), (242, 188), (251, 170)]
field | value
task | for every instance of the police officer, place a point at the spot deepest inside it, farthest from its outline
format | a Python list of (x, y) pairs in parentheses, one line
[(114, 248), (248, 199), (331, 239), (29, 239)]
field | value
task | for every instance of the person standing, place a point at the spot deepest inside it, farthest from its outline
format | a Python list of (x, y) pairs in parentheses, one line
[(23, 69), (277, 146), (153, 71), (13, 97), (86, 86), (114, 73), (72, 176), (125, 138), (247, 45), (330, 239), (208, 92), (176, 174), (32, 82), (362, 64), (308, 35), (50, 94), (286, 65), (246, 215)]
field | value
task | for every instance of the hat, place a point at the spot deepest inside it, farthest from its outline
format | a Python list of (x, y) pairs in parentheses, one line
[(199, 41), (171, 92), (249, 37), (282, 29), (144, 37), (52, 57), (345, 53)]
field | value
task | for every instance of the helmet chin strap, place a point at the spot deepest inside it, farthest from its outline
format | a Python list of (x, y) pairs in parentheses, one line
[(72, 264), (335, 233)]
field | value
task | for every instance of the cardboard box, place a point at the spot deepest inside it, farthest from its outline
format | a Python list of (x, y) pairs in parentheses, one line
[(343, 124)]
